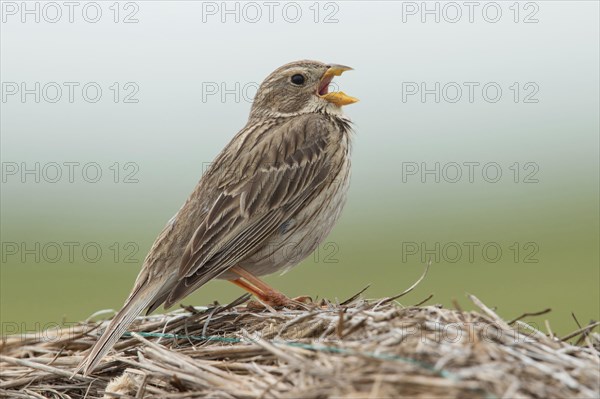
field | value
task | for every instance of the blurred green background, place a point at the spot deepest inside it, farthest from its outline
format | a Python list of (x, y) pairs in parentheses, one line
[(546, 226)]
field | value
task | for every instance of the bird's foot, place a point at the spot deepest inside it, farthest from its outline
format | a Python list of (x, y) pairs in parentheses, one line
[(267, 296)]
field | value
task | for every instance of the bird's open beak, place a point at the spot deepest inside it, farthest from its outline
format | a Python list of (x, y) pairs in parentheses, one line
[(338, 98)]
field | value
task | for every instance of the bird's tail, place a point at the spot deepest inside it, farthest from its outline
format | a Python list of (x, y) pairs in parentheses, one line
[(135, 304)]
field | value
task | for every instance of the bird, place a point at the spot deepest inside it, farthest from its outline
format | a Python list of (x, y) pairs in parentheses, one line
[(264, 204)]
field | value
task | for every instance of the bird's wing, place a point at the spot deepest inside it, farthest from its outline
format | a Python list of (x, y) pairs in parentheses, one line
[(260, 188)]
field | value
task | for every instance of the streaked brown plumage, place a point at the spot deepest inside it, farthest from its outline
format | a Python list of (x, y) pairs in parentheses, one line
[(267, 201)]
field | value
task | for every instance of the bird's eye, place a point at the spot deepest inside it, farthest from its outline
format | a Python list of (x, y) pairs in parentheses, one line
[(298, 79)]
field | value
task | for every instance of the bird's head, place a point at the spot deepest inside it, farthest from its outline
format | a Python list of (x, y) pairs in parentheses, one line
[(300, 87)]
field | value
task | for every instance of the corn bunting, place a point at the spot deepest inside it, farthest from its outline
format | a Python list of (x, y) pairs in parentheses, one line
[(266, 202)]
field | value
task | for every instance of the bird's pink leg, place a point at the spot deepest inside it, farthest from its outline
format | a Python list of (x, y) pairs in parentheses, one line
[(262, 290)]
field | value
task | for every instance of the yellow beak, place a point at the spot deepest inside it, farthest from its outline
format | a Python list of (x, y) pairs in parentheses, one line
[(338, 98)]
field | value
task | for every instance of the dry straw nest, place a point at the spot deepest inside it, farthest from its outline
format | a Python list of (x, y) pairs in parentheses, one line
[(355, 349)]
